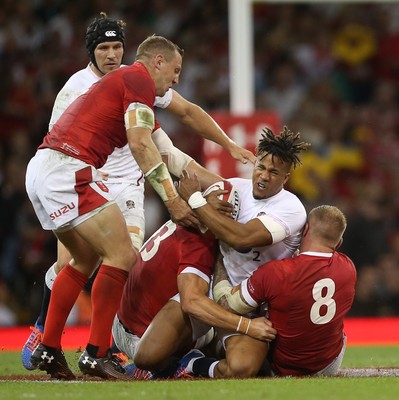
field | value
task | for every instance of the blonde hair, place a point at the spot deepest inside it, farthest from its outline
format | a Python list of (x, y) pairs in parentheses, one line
[(154, 45), (328, 223)]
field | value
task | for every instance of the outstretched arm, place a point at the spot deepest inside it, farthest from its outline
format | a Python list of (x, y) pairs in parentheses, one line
[(194, 301), (177, 161), (194, 116), (150, 162), (170, 330), (205, 177)]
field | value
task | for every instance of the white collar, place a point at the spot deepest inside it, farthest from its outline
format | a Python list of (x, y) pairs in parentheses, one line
[(316, 254)]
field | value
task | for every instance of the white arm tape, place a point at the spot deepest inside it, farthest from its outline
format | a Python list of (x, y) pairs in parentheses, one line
[(177, 160), (196, 200), (139, 115), (276, 230), (223, 288)]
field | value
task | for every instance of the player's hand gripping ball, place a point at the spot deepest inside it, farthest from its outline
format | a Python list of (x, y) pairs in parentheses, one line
[(231, 197)]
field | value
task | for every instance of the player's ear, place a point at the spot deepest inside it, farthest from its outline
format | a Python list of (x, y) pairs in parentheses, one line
[(305, 229), (339, 244), (158, 60), (287, 175)]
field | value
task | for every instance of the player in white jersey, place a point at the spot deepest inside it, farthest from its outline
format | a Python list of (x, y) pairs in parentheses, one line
[(125, 180), (283, 208), (269, 226)]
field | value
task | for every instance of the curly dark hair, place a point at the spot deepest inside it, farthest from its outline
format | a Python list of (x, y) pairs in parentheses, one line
[(285, 146)]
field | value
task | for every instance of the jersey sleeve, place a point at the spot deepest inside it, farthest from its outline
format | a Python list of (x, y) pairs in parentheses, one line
[(197, 253), (196, 271), (264, 284), (139, 88), (292, 214)]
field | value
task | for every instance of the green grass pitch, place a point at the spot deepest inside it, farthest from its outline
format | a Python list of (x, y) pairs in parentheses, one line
[(336, 388)]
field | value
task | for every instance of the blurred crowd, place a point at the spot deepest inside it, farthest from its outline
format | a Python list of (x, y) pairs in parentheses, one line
[(330, 70)]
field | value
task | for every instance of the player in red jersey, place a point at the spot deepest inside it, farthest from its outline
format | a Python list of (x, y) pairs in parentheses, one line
[(105, 43), (165, 301), (69, 197), (307, 297)]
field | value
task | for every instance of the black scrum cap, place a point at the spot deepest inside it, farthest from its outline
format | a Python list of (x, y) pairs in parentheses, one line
[(101, 30)]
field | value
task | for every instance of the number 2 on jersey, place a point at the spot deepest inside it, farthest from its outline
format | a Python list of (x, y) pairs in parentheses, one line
[(323, 302)]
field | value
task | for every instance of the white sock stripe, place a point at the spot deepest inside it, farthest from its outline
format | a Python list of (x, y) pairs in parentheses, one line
[(212, 368), (50, 276)]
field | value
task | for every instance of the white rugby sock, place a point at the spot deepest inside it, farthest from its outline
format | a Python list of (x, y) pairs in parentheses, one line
[(50, 276)]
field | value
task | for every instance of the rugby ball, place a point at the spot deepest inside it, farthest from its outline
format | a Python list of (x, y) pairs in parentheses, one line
[(231, 196)]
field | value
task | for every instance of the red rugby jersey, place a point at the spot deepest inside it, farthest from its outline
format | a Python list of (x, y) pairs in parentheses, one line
[(93, 125), (153, 280), (308, 297)]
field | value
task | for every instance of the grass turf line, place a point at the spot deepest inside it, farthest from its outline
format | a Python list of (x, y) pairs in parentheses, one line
[(342, 388)]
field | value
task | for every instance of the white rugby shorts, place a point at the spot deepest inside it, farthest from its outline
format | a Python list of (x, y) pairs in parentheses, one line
[(125, 341), (130, 199), (64, 191), (128, 342), (333, 368)]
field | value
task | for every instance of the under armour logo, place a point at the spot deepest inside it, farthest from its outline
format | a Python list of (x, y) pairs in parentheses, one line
[(92, 363), (110, 33), (44, 356)]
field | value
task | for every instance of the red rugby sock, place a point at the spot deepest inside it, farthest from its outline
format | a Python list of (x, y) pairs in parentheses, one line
[(105, 298), (66, 289)]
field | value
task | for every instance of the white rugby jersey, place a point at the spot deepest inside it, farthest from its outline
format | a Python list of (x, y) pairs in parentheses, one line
[(120, 165), (285, 208)]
